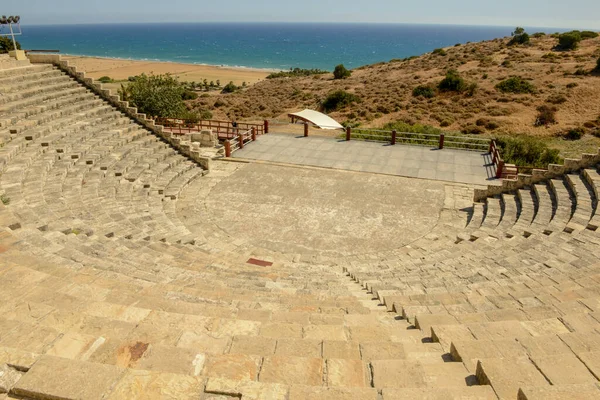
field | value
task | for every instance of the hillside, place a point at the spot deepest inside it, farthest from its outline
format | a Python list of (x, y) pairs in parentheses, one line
[(561, 80)]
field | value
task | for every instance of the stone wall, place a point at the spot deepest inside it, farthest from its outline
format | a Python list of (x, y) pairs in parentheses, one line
[(185, 148), (539, 175)]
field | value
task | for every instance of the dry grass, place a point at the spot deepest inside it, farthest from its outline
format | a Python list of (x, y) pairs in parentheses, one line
[(385, 91)]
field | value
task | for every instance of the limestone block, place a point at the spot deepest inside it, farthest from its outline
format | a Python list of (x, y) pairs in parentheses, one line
[(330, 393), (292, 370), (562, 392), (507, 375), (246, 389), (8, 378), (18, 55), (59, 378), (150, 385)]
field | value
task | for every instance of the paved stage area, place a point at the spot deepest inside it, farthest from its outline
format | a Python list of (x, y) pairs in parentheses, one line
[(311, 211), (409, 161)]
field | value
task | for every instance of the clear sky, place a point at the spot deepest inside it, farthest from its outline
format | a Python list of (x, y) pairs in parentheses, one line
[(584, 14)]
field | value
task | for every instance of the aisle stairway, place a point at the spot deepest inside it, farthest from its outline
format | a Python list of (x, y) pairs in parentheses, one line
[(106, 294)]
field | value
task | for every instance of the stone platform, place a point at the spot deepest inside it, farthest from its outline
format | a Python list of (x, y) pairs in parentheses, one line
[(448, 165)]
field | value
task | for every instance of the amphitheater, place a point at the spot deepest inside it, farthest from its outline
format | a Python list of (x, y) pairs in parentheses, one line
[(130, 268)]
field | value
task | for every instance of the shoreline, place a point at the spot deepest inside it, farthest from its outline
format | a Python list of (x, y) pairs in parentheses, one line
[(120, 69), (156, 60)]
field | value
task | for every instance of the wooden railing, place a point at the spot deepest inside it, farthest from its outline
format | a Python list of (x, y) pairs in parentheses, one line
[(239, 141), (504, 170), (224, 129)]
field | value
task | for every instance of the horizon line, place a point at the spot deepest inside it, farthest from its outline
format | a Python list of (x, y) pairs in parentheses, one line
[(298, 22)]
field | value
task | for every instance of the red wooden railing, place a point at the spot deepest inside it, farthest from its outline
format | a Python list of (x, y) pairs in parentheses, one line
[(503, 170), (224, 129)]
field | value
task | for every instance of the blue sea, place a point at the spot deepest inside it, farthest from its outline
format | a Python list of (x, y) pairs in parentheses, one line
[(256, 45)]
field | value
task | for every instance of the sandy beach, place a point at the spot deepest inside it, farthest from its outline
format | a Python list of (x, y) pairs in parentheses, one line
[(120, 70)]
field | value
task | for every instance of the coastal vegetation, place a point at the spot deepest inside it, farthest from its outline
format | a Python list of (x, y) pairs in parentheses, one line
[(6, 45), (519, 36), (340, 72), (338, 100), (528, 151), (157, 96), (296, 72), (515, 84)]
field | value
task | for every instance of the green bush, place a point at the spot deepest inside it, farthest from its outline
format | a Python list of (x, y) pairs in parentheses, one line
[(519, 36), (156, 95), (574, 134), (515, 84), (189, 95), (425, 91), (588, 35), (340, 72), (337, 100), (572, 85), (6, 45), (527, 151), (453, 82), (597, 65), (105, 79), (546, 116), (229, 88), (538, 35), (440, 52), (569, 40)]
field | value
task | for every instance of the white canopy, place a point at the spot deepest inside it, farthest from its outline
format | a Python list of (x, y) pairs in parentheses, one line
[(316, 118)]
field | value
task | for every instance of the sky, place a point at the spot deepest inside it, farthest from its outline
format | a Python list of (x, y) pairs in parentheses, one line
[(584, 14)]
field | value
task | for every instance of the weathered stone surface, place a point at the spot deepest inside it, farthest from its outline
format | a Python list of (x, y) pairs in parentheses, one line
[(137, 384), (563, 369), (382, 351), (592, 362), (299, 348), (466, 393), (75, 346), (470, 351), (506, 376), (341, 350), (21, 360), (561, 392), (246, 389), (328, 393), (325, 332), (239, 367), (171, 359), (70, 379), (347, 373), (292, 371), (281, 331), (8, 377), (253, 345)]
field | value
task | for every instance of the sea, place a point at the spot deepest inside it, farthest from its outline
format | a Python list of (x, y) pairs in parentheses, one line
[(276, 46)]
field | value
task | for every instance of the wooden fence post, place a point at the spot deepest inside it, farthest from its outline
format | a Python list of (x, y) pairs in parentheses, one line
[(305, 129), (491, 146), (499, 169), (227, 148), (442, 141), (241, 140), (266, 126), (348, 133), (253, 134), (394, 133)]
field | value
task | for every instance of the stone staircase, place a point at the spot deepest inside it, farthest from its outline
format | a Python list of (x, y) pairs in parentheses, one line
[(106, 293), (515, 296)]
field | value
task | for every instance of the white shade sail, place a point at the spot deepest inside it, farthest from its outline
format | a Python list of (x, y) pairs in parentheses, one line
[(316, 118)]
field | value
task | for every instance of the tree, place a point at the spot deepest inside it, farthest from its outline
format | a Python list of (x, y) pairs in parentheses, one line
[(6, 45), (569, 40), (156, 95), (519, 36), (340, 72)]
